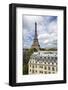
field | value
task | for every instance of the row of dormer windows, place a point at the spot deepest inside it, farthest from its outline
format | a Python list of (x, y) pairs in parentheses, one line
[(43, 62), (47, 57)]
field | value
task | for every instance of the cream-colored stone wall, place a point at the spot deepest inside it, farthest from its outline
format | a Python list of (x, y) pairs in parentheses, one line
[(42, 68)]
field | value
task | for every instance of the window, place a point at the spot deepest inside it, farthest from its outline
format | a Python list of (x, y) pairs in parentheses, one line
[(56, 58), (40, 71), (36, 66), (45, 67), (48, 62), (30, 70), (40, 57), (53, 72), (36, 61), (45, 57), (45, 72), (40, 66), (30, 65), (48, 57), (30, 61), (33, 66), (48, 68), (45, 62), (36, 71), (53, 68), (49, 72), (51, 57), (52, 63)]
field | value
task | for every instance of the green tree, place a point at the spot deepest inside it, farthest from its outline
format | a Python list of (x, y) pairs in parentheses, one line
[(26, 57)]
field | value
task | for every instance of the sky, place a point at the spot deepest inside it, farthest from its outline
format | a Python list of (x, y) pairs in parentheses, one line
[(46, 30)]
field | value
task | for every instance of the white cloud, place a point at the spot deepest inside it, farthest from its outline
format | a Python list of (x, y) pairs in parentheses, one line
[(32, 19), (46, 41), (52, 27), (45, 35), (47, 31)]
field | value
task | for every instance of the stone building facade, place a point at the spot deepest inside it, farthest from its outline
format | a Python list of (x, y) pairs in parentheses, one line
[(43, 62)]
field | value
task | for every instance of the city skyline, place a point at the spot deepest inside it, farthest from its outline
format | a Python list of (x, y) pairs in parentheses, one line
[(46, 30)]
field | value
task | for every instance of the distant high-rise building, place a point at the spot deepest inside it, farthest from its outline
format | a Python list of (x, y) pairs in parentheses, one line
[(35, 41)]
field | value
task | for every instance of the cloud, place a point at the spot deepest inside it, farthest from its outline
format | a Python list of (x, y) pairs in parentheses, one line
[(46, 30), (46, 41), (44, 35)]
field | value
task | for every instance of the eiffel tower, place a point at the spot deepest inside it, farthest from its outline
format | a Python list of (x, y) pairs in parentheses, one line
[(35, 41)]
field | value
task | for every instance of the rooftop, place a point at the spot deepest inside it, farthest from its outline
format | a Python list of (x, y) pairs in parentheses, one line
[(49, 56)]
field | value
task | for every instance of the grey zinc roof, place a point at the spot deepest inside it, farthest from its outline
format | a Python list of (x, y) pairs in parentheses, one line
[(43, 56)]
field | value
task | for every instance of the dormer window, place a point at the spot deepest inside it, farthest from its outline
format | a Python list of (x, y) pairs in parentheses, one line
[(45, 57), (56, 58), (48, 57), (30, 61)]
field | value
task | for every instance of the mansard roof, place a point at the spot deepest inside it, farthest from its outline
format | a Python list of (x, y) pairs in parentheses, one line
[(44, 56)]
